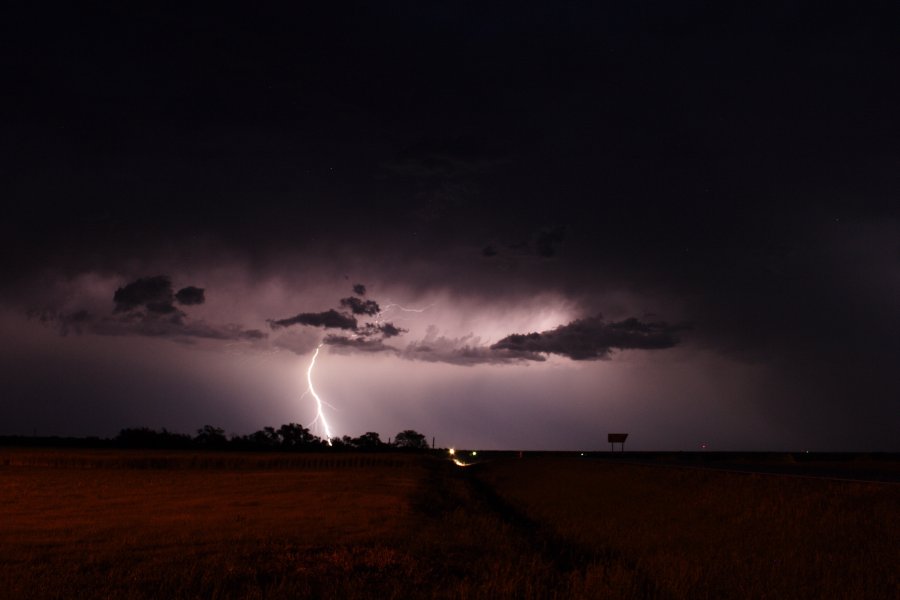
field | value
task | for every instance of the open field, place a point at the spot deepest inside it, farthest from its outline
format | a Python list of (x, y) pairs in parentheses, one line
[(703, 533), (153, 524), (147, 524)]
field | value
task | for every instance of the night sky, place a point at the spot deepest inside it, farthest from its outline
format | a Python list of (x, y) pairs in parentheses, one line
[(511, 225)]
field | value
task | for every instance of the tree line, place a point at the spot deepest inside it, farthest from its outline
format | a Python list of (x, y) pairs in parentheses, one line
[(288, 437)]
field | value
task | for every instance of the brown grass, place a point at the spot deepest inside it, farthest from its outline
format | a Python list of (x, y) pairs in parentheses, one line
[(165, 532), (142, 524), (706, 534), (193, 525)]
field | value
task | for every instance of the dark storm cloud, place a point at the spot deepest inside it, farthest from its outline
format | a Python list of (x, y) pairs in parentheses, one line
[(145, 307), (593, 338), (359, 289), (329, 319), (389, 330), (544, 243), (333, 319), (467, 356), (548, 240), (463, 351), (361, 307), (190, 295), (153, 293), (156, 296), (443, 175), (171, 326), (77, 322), (358, 344), (443, 157), (584, 339), (152, 298), (366, 337), (178, 330), (383, 330), (162, 308)]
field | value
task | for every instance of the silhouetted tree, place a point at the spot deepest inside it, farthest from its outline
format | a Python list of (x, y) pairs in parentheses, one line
[(295, 436), (368, 441), (137, 437), (144, 437), (266, 437), (211, 436), (411, 439), (345, 442)]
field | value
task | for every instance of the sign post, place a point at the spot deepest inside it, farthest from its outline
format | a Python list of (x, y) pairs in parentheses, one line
[(616, 438)]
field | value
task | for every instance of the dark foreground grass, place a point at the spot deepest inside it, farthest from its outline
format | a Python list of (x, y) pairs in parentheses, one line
[(205, 525), (164, 525), (697, 534)]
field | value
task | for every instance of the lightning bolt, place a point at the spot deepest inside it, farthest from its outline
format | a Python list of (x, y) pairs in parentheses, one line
[(391, 306), (320, 414)]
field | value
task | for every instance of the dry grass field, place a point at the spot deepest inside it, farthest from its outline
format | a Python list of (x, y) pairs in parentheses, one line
[(141, 524), (694, 534), (153, 524)]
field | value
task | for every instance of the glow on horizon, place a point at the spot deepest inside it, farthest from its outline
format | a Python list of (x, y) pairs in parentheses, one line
[(320, 414)]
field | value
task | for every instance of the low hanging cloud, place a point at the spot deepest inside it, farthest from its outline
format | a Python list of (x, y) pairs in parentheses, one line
[(547, 241), (82, 322), (345, 344), (593, 338), (362, 337), (329, 319), (146, 307), (590, 338), (361, 307), (190, 296), (154, 294), (175, 329), (384, 330), (467, 350)]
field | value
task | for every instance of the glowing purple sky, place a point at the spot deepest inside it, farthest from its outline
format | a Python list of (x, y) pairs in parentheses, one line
[(692, 210)]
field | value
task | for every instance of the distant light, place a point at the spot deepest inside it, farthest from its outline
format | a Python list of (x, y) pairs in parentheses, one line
[(452, 451), (474, 453), (582, 453)]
